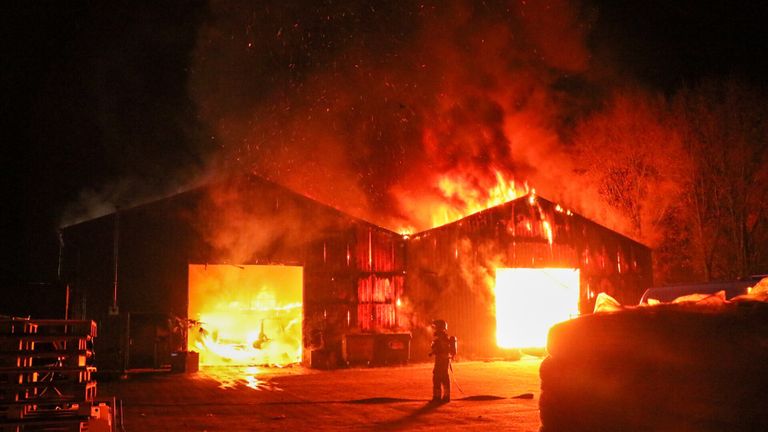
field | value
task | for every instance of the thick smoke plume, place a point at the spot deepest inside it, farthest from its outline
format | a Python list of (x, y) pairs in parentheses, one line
[(374, 108)]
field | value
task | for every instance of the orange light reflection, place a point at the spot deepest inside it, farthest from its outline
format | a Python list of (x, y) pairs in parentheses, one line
[(231, 377)]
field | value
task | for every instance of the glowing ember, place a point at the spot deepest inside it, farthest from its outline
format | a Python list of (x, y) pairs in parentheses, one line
[(532, 198), (249, 315), (529, 301)]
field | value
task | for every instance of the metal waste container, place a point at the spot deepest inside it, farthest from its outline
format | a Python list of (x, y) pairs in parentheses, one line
[(392, 348), (358, 349)]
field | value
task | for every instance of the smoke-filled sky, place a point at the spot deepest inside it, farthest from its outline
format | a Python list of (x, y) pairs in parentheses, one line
[(364, 105), (369, 106)]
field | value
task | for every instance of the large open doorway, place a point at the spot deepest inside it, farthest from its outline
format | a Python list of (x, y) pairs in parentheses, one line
[(247, 314), (531, 300)]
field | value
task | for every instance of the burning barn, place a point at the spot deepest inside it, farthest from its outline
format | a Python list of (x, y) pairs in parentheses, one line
[(242, 271), (503, 276), (248, 272)]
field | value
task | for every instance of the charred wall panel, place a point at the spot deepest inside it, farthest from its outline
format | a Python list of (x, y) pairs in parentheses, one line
[(353, 278)]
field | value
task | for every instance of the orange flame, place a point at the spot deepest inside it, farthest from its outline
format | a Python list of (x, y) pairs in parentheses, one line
[(464, 197)]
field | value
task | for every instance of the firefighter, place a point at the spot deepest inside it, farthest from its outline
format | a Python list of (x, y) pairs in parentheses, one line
[(444, 349)]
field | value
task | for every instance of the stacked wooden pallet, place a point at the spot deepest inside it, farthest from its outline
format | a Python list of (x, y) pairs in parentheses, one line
[(46, 377)]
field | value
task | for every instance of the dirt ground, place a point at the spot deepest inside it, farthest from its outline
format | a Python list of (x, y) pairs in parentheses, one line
[(498, 395)]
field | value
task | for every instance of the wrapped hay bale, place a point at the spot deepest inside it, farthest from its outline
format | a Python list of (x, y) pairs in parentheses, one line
[(674, 367)]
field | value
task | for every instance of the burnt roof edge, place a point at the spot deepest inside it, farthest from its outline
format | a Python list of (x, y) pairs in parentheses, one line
[(514, 201)]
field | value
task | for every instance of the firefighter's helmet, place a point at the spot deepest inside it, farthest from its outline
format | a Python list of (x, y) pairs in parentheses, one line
[(440, 325)]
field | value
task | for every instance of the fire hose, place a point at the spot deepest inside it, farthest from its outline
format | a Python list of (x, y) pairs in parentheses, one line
[(453, 377)]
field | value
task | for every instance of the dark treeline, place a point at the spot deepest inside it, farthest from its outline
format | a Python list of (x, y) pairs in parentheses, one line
[(689, 172)]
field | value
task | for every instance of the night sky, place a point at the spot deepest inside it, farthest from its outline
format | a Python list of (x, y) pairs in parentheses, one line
[(98, 102)]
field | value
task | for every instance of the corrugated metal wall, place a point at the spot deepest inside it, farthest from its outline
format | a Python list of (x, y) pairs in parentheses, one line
[(353, 279)]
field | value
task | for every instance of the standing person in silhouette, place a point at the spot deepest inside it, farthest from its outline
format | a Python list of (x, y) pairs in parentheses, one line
[(444, 349)]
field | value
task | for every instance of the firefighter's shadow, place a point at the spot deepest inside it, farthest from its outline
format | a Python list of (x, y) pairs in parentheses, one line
[(409, 418)]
